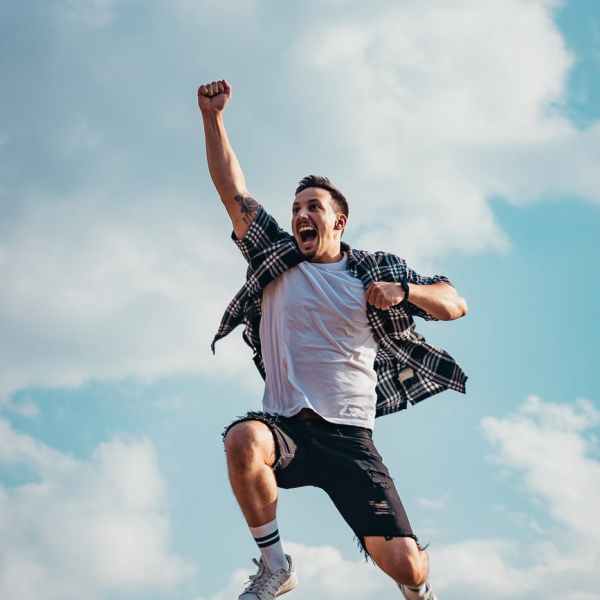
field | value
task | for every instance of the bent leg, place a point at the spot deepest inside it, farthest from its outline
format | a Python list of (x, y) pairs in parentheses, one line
[(251, 454), (399, 557), (250, 449), (366, 497)]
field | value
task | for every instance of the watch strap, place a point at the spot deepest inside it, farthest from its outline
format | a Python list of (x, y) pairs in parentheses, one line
[(404, 284)]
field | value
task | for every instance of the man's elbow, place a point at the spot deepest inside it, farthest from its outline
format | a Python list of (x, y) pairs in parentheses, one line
[(455, 309)]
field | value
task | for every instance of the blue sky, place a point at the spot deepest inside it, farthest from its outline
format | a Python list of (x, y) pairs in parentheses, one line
[(466, 138)]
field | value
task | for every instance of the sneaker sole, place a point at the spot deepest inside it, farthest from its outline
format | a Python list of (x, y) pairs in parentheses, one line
[(288, 586)]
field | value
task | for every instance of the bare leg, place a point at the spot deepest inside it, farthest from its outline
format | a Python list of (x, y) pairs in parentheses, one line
[(400, 558), (250, 449)]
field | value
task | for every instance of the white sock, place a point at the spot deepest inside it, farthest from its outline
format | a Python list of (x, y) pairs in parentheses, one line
[(267, 539), (416, 593)]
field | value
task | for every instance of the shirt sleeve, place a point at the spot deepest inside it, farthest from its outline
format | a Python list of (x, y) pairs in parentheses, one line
[(262, 233), (413, 277)]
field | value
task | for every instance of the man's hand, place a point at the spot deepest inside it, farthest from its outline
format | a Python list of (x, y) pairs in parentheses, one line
[(384, 294), (440, 300), (212, 97)]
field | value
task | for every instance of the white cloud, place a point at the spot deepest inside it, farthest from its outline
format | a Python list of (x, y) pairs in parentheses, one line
[(550, 447), (323, 574), (23, 407), (97, 293), (436, 108), (544, 441), (98, 525), (443, 107)]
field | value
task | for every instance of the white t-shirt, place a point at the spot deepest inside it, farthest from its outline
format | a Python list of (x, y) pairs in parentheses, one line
[(317, 345)]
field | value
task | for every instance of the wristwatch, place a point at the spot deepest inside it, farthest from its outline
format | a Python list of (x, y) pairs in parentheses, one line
[(404, 284)]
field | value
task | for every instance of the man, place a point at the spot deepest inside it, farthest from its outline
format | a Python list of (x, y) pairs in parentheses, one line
[(333, 335)]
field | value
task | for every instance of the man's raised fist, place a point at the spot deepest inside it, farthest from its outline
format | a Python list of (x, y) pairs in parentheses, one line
[(212, 97)]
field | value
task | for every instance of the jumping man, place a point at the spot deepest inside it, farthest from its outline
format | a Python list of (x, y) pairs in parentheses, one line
[(333, 336)]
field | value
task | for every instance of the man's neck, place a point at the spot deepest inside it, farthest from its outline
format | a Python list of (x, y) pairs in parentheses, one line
[(329, 257)]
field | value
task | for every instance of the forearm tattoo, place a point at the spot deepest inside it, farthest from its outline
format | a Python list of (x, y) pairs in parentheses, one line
[(248, 207)]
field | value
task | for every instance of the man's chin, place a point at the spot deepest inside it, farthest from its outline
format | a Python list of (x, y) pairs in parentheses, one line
[(309, 254), (308, 250)]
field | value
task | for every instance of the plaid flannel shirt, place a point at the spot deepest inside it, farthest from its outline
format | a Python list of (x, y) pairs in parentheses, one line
[(408, 369)]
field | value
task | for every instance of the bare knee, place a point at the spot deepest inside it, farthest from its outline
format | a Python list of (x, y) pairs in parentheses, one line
[(411, 569), (400, 558), (248, 443)]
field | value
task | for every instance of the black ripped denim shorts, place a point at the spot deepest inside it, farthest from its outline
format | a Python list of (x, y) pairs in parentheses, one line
[(341, 460)]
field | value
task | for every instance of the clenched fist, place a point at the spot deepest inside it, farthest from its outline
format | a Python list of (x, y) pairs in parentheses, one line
[(384, 295), (212, 97)]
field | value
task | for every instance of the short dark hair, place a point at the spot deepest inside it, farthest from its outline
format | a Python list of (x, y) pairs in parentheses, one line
[(324, 183)]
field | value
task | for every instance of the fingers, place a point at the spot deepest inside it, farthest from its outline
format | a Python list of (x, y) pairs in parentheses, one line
[(376, 297), (369, 294), (214, 88), (384, 295)]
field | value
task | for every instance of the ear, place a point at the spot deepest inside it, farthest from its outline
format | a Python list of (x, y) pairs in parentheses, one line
[(341, 221)]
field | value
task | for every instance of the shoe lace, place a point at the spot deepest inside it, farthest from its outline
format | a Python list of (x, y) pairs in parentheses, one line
[(263, 580)]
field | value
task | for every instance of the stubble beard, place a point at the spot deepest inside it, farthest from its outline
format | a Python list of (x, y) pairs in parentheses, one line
[(310, 254)]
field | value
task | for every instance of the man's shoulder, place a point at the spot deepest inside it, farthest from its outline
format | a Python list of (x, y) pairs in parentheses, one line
[(375, 258), (263, 235), (265, 227), (268, 249)]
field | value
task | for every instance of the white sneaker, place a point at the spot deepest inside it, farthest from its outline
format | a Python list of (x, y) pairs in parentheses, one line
[(412, 594), (266, 585)]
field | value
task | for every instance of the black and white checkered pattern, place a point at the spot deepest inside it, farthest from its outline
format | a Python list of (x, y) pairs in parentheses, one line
[(270, 251)]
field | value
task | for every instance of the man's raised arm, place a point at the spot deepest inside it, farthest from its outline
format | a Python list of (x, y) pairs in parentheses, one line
[(223, 164)]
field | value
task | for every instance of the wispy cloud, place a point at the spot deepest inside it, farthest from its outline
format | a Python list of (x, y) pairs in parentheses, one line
[(95, 525), (323, 572), (110, 294), (23, 406), (445, 107), (430, 111), (546, 443), (549, 446)]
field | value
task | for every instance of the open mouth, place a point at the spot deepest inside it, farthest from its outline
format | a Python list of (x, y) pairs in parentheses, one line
[(307, 234)]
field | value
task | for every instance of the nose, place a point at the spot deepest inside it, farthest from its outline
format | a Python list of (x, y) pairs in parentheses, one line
[(301, 217)]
